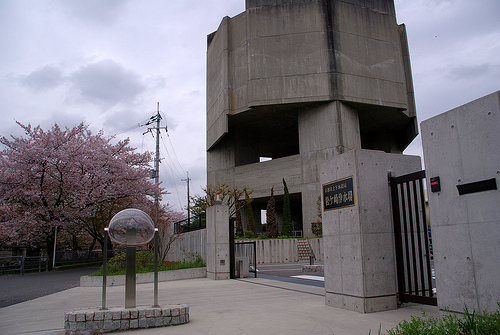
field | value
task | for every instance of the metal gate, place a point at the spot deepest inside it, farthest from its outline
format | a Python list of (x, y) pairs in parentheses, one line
[(412, 236)]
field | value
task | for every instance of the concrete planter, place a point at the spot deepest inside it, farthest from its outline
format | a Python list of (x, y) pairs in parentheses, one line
[(143, 278)]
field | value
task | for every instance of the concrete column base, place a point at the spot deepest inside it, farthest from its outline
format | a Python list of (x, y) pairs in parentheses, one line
[(217, 276), (218, 267), (361, 304)]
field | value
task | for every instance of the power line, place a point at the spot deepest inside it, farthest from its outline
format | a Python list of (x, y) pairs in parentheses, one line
[(179, 173)]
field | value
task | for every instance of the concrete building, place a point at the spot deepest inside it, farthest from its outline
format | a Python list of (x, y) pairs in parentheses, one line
[(461, 148), (292, 84)]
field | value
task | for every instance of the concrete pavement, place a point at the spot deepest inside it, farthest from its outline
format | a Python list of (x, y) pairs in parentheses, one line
[(243, 306)]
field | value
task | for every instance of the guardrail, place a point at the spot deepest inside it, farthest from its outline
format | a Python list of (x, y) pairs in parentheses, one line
[(81, 256), (193, 223), (21, 264)]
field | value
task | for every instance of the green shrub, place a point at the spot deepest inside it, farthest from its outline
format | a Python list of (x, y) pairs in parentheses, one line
[(317, 228), (468, 324), (249, 234), (145, 263)]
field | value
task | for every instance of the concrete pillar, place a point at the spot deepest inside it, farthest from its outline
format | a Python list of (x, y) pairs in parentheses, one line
[(218, 262), (359, 252)]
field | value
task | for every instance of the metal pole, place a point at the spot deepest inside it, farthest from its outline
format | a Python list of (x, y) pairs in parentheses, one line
[(157, 241), (55, 243), (104, 268), (130, 271), (189, 212)]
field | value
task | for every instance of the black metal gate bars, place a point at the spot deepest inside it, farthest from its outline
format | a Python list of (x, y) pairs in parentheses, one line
[(412, 237)]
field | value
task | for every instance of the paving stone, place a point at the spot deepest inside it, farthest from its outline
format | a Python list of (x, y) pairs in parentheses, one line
[(89, 325), (116, 324), (98, 315), (117, 315), (165, 311), (175, 320), (98, 325), (157, 312), (108, 315), (143, 323), (124, 324), (134, 323), (134, 313), (125, 314), (175, 311), (89, 316), (159, 322), (80, 317), (108, 325)]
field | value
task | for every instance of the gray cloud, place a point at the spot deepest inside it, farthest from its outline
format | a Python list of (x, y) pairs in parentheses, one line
[(95, 11), (467, 72), (43, 79), (106, 83)]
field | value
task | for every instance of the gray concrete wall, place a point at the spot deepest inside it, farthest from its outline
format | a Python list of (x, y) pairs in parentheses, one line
[(268, 251), (358, 241), (188, 245), (462, 146), (324, 76)]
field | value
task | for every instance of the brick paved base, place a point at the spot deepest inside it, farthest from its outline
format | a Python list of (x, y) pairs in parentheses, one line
[(96, 321)]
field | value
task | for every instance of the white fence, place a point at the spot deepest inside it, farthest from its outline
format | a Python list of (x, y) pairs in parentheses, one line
[(268, 251)]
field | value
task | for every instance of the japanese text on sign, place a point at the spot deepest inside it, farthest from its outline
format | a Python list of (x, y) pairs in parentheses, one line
[(338, 194)]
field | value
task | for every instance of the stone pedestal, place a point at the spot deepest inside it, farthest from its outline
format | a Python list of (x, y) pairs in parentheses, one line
[(218, 262), (95, 321), (359, 252)]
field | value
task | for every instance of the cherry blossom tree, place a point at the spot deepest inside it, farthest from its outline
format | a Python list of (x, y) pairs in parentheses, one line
[(167, 235), (67, 178)]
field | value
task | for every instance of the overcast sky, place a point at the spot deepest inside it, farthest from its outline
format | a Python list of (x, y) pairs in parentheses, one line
[(108, 63)]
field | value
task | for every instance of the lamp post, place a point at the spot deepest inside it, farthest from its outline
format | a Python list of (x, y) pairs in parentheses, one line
[(131, 227)]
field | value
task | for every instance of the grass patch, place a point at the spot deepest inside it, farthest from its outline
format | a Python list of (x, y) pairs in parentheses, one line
[(145, 263), (468, 324)]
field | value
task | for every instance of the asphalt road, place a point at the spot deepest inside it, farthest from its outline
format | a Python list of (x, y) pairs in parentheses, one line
[(291, 272), (19, 288)]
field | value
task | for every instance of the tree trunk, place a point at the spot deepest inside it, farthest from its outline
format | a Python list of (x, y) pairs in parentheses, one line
[(50, 250), (91, 248), (75, 247)]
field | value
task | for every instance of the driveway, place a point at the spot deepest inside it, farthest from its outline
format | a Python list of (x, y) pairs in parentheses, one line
[(19, 288)]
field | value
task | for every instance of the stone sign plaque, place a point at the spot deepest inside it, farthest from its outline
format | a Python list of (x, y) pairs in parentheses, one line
[(338, 194)]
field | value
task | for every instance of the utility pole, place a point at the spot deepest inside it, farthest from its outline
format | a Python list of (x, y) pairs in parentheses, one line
[(156, 172), (188, 209)]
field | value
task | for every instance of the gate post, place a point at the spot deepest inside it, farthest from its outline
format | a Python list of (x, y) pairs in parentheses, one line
[(218, 260), (358, 237)]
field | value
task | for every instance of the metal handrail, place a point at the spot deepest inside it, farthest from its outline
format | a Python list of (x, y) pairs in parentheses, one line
[(194, 223)]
